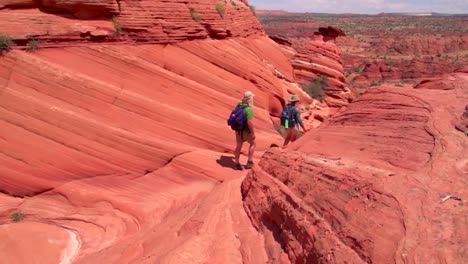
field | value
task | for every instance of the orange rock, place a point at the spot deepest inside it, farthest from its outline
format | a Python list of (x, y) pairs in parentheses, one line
[(122, 153), (320, 58), (141, 21), (357, 189)]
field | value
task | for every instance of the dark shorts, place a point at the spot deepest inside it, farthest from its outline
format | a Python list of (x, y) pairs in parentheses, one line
[(244, 136)]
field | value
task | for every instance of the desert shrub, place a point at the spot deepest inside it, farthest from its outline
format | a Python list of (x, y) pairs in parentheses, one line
[(220, 9), (233, 3), (439, 55), (195, 15), (376, 83), (316, 89), (17, 216), (5, 43), (33, 44), (252, 8), (117, 24), (357, 69)]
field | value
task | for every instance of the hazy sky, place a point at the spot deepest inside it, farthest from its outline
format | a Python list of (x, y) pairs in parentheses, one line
[(364, 6)]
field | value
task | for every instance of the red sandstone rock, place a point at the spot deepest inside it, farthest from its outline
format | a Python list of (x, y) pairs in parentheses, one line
[(319, 58), (369, 187), (116, 151), (422, 45), (141, 21), (331, 33), (84, 139), (132, 103), (445, 82)]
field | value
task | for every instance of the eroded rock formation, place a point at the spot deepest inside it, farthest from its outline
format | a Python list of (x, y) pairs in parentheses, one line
[(384, 181), (114, 146), (115, 151), (422, 45), (319, 58), (60, 23)]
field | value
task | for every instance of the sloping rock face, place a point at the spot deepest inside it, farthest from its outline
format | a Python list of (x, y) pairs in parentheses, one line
[(383, 182), (61, 22), (116, 150), (139, 105)]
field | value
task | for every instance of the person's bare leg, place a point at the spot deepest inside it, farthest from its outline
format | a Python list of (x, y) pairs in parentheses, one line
[(293, 134), (238, 151), (287, 138), (252, 150)]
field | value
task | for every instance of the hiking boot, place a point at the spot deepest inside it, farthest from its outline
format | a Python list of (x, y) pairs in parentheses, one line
[(249, 165), (239, 167)]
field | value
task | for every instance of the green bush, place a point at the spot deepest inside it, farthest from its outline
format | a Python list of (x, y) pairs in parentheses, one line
[(220, 9), (376, 83), (5, 43), (195, 15), (17, 216), (357, 69), (316, 89), (117, 24), (33, 44)]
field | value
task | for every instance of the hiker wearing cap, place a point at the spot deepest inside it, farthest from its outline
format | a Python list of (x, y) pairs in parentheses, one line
[(291, 120), (240, 121)]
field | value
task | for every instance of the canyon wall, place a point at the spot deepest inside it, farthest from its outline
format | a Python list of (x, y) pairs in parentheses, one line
[(114, 145)]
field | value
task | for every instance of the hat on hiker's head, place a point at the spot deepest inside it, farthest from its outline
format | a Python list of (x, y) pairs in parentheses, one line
[(248, 95), (293, 98)]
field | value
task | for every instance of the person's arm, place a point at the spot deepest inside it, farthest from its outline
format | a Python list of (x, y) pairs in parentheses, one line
[(299, 120)]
